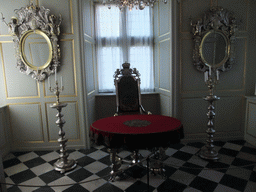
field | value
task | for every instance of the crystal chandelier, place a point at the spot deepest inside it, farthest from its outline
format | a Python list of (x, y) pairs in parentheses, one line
[(141, 4)]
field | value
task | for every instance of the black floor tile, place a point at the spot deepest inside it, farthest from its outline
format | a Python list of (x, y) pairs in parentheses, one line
[(40, 153), (105, 160), (44, 189), (14, 189), (139, 186), (219, 143), (191, 168), (253, 176), (242, 162), (177, 146), (22, 176), (79, 175), (196, 144), (19, 153), (34, 162), (169, 171), (249, 150), (104, 173), (50, 176), (87, 151), (170, 185), (228, 152), (218, 166), (53, 161), (203, 185), (238, 142), (83, 161), (11, 162), (107, 188), (182, 155), (136, 172), (233, 182), (76, 188)]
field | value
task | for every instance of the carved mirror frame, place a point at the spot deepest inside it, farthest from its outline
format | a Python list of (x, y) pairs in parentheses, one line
[(36, 20), (220, 21)]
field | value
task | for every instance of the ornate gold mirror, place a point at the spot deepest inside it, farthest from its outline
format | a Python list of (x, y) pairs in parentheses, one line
[(36, 49), (35, 35), (214, 38)]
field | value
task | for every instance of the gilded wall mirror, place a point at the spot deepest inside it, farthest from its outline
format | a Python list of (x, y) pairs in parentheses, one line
[(35, 35), (214, 39)]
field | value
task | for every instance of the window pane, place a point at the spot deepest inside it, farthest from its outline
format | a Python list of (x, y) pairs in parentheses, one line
[(107, 21), (110, 61), (139, 22)]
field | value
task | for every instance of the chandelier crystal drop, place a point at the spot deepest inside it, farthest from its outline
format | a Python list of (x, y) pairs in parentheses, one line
[(141, 4)]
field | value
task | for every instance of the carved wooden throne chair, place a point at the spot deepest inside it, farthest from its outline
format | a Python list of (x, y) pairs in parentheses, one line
[(128, 96)]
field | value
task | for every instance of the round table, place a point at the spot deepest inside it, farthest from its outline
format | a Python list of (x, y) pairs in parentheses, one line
[(137, 131)]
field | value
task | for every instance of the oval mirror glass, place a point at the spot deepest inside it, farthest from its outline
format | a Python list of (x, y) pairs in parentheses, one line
[(214, 49), (36, 49)]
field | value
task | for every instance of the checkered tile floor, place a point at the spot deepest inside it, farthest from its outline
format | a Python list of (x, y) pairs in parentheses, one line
[(185, 171)]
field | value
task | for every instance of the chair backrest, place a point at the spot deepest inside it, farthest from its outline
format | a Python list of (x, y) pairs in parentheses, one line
[(127, 83)]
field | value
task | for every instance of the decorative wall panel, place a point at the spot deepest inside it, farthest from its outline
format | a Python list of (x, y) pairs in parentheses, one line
[(229, 114), (87, 14), (89, 67), (26, 123), (191, 9), (69, 74), (164, 67), (194, 115), (164, 18), (165, 105), (14, 86)]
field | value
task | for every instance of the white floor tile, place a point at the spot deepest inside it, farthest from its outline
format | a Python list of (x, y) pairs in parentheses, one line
[(97, 155), (176, 163), (34, 181), (92, 185), (189, 149), (8, 157), (239, 172), (154, 180), (211, 175), (223, 188), (8, 180), (95, 167), (27, 156), (63, 180), (232, 146), (182, 177), (41, 169), (75, 155), (50, 156), (170, 151), (198, 161), (124, 184), (15, 169)]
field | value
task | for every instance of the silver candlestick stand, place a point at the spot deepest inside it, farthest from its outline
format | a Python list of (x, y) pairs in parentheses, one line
[(63, 164), (209, 152)]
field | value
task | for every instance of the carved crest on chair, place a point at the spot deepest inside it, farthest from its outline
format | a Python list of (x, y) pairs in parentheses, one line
[(126, 71)]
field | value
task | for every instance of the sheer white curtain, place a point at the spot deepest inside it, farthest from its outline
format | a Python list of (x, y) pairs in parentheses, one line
[(123, 36)]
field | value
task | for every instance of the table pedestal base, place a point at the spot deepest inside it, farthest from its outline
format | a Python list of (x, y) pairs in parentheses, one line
[(155, 166)]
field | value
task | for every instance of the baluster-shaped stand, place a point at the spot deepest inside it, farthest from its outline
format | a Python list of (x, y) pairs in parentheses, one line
[(63, 164), (209, 153)]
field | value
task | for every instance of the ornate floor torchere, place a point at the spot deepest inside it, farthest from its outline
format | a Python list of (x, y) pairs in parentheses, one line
[(209, 153), (63, 164)]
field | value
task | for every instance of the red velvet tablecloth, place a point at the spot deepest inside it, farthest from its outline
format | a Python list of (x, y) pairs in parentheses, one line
[(137, 131)]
